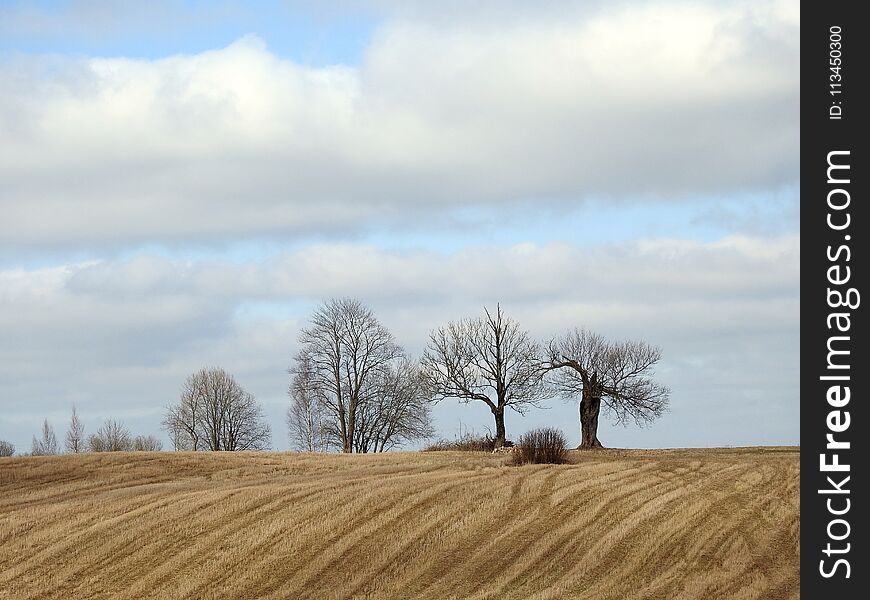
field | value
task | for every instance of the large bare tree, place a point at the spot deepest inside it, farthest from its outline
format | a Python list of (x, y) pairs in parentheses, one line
[(75, 435), (616, 374), (46, 444), (216, 413), (346, 348), (489, 359)]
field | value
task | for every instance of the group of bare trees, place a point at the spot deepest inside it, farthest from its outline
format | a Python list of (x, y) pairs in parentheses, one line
[(112, 436), (490, 359), (213, 413), (46, 444), (352, 386), (216, 413), (354, 389)]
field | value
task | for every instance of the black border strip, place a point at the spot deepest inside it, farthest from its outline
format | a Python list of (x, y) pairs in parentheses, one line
[(834, 227)]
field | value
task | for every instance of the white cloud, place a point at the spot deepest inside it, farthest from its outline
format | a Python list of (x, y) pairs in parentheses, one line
[(658, 101)]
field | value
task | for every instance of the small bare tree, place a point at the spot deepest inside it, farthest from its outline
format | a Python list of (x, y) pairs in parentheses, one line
[(147, 443), (95, 443), (216, 413), (6, 448), (75, 435), (112, 436), (347, 348), (307, 417), (47, 444), (617, 374), (488, 359)]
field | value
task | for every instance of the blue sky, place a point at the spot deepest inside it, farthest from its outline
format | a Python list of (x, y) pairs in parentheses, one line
[(156, 29), (182, 182)]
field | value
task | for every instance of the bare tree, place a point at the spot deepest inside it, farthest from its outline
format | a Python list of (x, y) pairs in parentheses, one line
[(307, 417), (47, 444), (216, 413), (396, 409), (617, 374), (95, 443), (6, 448), (112, 436), (75, 435), (347, 348), (147, 443), (487, 359)]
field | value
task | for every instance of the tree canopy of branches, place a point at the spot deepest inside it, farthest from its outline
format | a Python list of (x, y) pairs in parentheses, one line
[(489, 359), (617, 374), (216, 413), (6, 448), (112, 436), (46, 445), (344, 350), (75, 435), (396, 409)]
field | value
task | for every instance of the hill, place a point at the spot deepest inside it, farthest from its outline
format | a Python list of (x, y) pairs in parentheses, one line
[(621, 525)]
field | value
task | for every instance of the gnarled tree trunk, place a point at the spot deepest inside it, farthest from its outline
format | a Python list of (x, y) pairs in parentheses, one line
[(590, 407), (498, 413)]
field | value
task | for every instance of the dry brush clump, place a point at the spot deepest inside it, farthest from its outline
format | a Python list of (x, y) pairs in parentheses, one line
[(546, 445), (466, 442)]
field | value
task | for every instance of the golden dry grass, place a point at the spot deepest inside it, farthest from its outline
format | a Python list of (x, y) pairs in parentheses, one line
[(621, 525)]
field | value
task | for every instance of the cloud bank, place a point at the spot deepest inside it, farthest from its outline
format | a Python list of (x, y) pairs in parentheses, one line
[(658, 101), (126, 333), (167, 211)]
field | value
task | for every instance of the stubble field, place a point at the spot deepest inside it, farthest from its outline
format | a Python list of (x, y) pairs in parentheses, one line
[(621, 525)]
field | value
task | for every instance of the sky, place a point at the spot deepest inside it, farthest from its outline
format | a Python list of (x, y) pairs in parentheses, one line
[(182, 183)]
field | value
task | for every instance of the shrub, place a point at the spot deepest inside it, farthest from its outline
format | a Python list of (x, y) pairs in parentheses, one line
[(111, 437), (142, 443), (467, 442), (6, 448), (546, 445)]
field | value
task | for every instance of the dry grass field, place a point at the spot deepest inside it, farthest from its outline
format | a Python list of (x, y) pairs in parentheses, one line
[(621, 525)]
